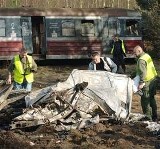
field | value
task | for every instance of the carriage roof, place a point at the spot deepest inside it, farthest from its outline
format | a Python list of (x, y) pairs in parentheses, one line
[(79, 12)]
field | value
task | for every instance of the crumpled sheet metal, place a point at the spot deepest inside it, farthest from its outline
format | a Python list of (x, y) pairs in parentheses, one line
[(113, 90), (112, 93)]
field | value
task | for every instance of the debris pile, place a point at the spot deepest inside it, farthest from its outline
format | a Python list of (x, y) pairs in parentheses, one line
[(85, 98)]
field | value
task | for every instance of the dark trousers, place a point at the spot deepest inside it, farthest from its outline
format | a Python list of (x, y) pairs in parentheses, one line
[(148, 101), (119, 61)]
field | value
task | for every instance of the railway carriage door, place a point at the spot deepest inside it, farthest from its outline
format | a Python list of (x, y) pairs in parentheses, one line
[(38, 35), (27, 33)]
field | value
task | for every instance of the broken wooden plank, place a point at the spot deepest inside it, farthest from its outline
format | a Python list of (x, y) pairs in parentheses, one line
[(5, 92), (3, 97), (19, 91)]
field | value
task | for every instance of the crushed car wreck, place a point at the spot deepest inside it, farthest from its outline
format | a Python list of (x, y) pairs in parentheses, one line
[(73, 104)]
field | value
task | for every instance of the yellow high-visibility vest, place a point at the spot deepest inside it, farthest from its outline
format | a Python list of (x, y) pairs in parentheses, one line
[(19, 73), (151, 71), (123, 47)]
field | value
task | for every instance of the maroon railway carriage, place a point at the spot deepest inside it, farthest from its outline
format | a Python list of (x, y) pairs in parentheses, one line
[(66, 33)]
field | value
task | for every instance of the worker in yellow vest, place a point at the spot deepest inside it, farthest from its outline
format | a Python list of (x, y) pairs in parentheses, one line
[(22, 67), (147, 72), (119, 53)]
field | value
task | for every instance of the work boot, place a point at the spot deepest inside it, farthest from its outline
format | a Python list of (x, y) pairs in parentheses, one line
[(154, 119)]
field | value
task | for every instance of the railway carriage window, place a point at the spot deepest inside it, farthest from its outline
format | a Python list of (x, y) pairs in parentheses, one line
[(132, 28), (68, 28), (54, 27), (2, 28), (13, 27), (87, 28)]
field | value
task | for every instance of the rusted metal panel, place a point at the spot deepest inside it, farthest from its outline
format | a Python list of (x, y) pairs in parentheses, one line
[(9, 49), (130, 44), (73, 43), (11, 44), (69, 51), (72, 47)]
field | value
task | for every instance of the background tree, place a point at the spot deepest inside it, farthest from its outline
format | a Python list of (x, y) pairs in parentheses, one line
[(146, 4), (151, 25)]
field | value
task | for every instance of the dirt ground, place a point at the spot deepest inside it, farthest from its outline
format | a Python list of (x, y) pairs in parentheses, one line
[(103, 135)]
